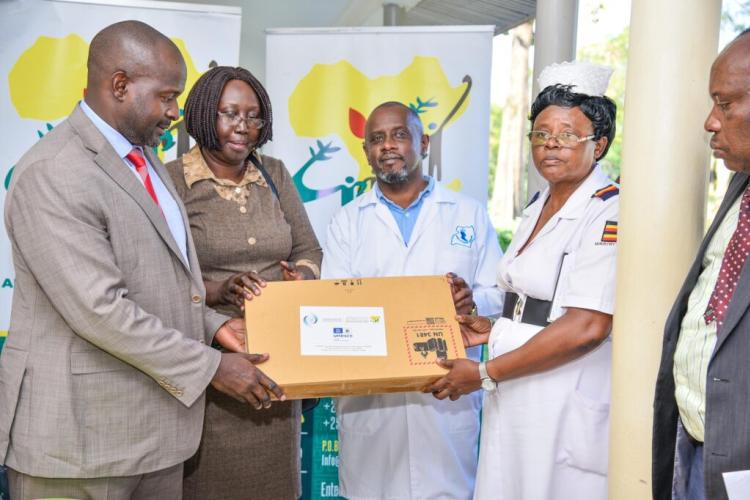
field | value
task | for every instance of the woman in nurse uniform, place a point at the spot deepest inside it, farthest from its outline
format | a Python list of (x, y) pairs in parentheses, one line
[(547, 382)]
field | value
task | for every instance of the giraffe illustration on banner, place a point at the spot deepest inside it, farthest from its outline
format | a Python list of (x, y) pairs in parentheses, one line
[(335, 99)]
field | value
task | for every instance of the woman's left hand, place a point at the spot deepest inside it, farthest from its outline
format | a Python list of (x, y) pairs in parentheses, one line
[(463, 378), (291, 272), (234, 290)]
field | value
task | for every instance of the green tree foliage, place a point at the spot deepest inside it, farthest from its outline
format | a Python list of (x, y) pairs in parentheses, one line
[(496, 121), (503, 237), (612, 53), (736, 15)]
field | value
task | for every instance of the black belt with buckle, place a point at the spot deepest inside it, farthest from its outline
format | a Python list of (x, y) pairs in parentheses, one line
[(535, 311)]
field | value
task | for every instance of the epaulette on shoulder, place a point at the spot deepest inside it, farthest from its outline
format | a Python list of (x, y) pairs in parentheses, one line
[(606, 192), (533, 199)]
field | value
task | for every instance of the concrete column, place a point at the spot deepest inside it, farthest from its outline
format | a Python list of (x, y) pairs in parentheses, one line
[(392, 14), (662, 206), (555, 31)]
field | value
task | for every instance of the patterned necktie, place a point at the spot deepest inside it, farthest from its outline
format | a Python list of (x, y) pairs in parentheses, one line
[(731, 265), (136, 158)]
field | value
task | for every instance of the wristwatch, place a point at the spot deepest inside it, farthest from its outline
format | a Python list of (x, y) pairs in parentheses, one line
[(488, 384)]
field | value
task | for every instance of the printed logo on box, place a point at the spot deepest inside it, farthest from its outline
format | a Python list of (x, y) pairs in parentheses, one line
[(429, 339)]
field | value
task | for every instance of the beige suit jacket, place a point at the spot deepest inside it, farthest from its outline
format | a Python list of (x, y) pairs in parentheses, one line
[(108, 354)]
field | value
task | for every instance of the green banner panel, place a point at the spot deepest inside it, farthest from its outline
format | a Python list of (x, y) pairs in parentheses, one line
[(320, 452)]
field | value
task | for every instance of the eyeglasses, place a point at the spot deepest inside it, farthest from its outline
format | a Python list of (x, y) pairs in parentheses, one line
[(234, 118), (564, 139)]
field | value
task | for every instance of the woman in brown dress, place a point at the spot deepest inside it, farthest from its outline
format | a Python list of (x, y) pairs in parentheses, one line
[(249, 226)]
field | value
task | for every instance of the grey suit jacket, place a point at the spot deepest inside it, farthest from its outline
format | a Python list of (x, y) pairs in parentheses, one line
[(108, 353), (727, 437)]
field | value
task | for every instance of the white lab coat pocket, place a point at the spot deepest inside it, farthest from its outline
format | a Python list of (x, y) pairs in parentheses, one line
[(584, 435), (460, 260)]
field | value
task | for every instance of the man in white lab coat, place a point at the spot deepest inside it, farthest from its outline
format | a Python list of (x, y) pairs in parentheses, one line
[(411, 446)]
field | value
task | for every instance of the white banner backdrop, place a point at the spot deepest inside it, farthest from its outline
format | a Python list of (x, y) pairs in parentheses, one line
[(324, 83), (43, 68)]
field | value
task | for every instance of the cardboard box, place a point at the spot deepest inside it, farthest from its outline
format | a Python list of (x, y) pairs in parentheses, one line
[(354, 336)]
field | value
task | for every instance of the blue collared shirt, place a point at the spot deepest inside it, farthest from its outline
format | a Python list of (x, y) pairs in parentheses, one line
[(168, 205), (406, 218)]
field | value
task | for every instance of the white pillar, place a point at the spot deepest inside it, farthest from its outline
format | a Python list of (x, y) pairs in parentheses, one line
[(555, 31), (662, 206)]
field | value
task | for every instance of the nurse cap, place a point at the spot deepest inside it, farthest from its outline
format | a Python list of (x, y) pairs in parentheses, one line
[(583, 77)]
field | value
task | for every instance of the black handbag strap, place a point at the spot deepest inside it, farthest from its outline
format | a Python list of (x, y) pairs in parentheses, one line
[(265, 175), (309, 404)]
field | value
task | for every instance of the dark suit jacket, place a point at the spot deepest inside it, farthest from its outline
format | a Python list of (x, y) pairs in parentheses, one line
[(727, 436)]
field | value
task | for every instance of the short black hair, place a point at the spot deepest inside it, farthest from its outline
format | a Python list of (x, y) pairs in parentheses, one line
[(412, 116), (601, 110), (202, 105)]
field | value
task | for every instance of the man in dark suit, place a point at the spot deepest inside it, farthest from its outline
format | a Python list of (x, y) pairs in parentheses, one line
[(701, 407), (103, 375)]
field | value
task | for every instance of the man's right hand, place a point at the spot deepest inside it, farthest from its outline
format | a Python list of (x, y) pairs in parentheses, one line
[(238, 377)]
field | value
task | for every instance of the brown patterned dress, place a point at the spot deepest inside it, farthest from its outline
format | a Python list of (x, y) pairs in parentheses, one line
[(245, 453)]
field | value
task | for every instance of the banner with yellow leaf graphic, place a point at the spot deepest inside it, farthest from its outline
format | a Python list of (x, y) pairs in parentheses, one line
[(323, 85), (43, 67), (324, 82)]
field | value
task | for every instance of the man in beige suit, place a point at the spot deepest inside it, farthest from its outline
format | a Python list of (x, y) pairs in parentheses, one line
[(103, 373)]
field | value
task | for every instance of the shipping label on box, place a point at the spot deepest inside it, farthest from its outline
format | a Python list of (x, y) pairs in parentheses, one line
[(342, 331)]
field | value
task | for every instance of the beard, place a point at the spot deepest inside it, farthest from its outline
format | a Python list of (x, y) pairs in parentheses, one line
[(397, 177), (139, 129), (139, 136)]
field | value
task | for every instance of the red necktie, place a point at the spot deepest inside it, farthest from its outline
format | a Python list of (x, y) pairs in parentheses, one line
[(731, 265), (136, 158)]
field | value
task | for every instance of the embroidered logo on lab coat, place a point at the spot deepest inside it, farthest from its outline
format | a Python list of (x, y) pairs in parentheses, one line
[(463, 236)]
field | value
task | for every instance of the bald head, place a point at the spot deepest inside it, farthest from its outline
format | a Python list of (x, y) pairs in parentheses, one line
[(134, 77), (411, 115), (130, 46), (737, 52), (729, 119)]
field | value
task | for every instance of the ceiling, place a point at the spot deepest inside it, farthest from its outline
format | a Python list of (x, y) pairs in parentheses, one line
[(504, 14)]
